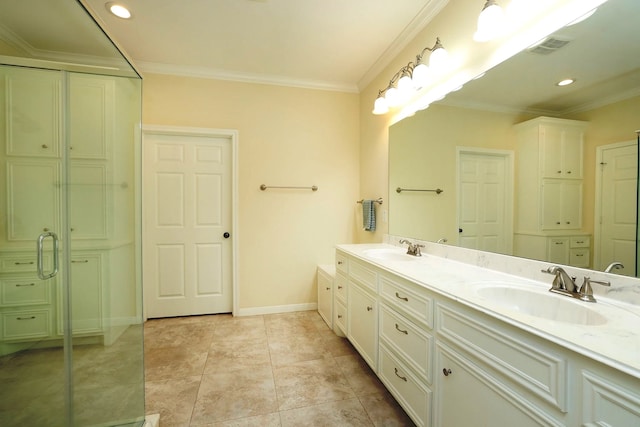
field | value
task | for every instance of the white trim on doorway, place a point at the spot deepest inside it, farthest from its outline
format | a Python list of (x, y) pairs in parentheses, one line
[(233, 136)]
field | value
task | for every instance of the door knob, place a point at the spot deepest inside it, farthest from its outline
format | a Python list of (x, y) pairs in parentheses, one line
[(226, 235)]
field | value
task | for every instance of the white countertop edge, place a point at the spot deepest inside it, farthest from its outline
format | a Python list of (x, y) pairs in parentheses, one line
[(619, 352)]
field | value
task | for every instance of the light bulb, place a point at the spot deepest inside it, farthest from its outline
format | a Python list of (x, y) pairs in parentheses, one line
[(380, 106), (438, 58), (420, 76), (490, 22), (405, 87), (393, 97)]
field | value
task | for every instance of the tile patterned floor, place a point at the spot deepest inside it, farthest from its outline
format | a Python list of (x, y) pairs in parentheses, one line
[(277, 370)]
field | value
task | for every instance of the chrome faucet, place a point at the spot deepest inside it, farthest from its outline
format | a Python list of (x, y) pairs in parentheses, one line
[(617, 265), (413, 249), (564, 284)]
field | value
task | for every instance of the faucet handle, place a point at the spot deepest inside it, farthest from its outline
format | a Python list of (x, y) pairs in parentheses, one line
[(586, 292)]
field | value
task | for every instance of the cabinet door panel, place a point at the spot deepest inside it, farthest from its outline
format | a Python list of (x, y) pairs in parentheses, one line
[(91, 110), (362, 328), (551, 205), (487, 401), (550, 151), (32, 99), (558, 251), (86, 293), (33, 198), (572, 153), (571, 201), (88, 195)]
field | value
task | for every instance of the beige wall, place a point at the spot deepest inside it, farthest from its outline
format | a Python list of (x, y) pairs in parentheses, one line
[(287, 136)]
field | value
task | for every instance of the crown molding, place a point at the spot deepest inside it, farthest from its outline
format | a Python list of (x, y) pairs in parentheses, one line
[(217, 74), (417, 24)]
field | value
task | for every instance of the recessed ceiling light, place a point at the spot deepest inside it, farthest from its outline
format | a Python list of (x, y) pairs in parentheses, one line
[(565, 82), (118, 10)]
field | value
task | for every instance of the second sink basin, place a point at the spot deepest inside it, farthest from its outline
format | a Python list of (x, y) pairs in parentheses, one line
[(538, 303), (389, 254)]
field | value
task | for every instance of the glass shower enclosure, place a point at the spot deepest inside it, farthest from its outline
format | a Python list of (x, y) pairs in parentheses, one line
[(71, 343)]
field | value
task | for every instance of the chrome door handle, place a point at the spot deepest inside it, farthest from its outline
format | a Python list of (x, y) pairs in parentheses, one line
[(41, 273)]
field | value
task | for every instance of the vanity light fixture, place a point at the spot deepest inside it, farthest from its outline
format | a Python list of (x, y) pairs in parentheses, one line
[(565, 82), (410, 78), (118, 10), (490, 22)]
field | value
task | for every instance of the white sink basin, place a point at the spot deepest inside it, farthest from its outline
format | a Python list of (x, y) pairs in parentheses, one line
[(389, 254), (541, 304)]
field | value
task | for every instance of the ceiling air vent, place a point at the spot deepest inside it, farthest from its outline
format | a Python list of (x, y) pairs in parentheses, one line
[(549, 45)]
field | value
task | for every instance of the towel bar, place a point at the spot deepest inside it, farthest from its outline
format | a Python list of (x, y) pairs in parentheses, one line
[(378, 200), (312, 188), (400, 190)]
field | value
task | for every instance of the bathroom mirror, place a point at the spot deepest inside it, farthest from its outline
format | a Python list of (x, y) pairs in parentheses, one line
[(425, 150)]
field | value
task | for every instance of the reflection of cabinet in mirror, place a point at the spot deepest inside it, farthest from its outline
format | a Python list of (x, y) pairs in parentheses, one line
[(549, 160)]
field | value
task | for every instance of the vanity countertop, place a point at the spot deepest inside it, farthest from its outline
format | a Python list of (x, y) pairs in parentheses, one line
[(615, 343)]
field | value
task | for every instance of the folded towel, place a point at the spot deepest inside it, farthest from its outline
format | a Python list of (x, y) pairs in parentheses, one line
[(369, 215)]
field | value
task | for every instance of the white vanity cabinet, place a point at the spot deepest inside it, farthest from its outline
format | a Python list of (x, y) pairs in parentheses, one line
[(362, 311), (549, 160), (325, 280), (450, 365)]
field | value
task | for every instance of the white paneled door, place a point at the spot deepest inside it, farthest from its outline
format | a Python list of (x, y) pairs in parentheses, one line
[(484, 216), (187, 211), (616, 240)]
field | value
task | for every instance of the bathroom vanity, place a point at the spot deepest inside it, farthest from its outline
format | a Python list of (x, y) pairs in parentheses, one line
[(460, 345)]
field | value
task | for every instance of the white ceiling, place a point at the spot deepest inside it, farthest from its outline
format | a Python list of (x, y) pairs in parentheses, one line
[(331, 44)]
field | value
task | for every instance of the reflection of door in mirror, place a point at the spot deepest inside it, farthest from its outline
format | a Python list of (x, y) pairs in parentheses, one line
[(614, 231), (485, 199)]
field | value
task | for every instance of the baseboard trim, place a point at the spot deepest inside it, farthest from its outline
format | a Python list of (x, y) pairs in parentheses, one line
[(275, 309)]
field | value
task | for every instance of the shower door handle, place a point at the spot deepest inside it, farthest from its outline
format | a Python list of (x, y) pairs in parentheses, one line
[(41, 238)]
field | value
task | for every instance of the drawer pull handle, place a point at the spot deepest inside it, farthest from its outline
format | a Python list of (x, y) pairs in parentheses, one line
[(85, 261), (400, 376), (579, 255), (340, 263), (402, 298), (580, 242), (339, 287), (339, 316), (24, 263), (400, 330), (328, 289), (19, 285), (26, 318), (369, 308), (446, 372), (559, 243)]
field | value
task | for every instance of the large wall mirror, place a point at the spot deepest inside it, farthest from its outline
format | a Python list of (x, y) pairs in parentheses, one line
[(493, 147)]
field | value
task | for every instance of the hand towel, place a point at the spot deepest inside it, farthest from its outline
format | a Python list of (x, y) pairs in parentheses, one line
[(369, 215)]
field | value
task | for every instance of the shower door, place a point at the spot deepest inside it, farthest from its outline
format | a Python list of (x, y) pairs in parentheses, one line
[(70, 318)]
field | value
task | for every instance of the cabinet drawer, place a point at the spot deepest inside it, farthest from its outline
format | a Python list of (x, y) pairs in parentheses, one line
[(526, 363), (23, 263), (579, 257), (26, 324), (410, 392), (340, 319), (342, 263), (408, 300), (580, 242), (340, 286), (25, 291), (408, 340), (363, 275), (608, 403)]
